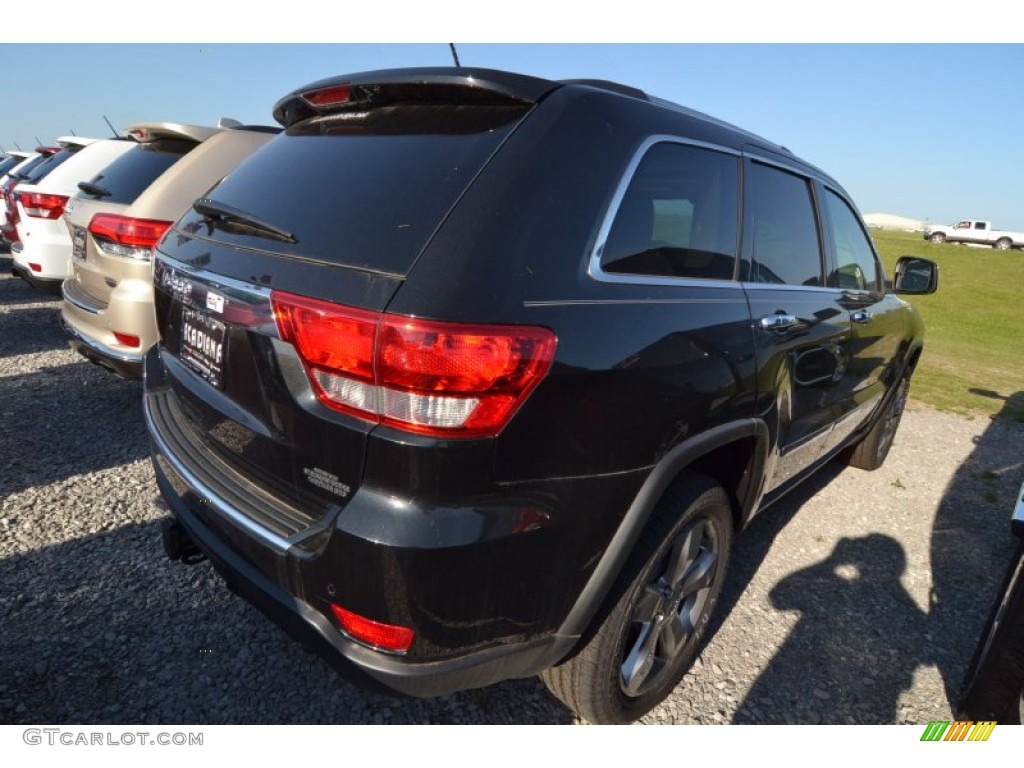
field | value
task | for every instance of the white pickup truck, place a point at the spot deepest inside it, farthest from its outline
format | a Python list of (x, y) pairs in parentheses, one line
[(973, 231)]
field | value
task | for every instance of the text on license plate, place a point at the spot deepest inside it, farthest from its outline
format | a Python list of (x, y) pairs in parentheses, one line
[(78, 244), (202, 345)]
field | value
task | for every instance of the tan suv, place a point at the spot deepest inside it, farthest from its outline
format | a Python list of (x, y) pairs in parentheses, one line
[(120, 214)]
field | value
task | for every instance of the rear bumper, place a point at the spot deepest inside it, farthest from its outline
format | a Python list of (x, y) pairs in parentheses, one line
[(305, 623), (124, 364), (51, 287), (288, 572), (46, 244)]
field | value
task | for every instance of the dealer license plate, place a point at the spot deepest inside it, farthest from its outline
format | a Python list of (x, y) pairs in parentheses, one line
[(202, 345), (78, 244)]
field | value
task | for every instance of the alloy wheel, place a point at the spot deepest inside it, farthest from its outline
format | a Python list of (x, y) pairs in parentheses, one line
[(668, 608)]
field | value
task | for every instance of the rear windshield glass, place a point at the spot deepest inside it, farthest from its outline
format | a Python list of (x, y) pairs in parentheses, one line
[(9, 162), (364, 190), (43, 169), (31, 165), (128, 176)]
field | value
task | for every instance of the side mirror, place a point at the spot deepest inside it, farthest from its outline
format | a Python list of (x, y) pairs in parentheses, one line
[(915, 275)]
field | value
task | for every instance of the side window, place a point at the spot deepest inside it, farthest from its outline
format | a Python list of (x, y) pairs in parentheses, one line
[(785, 248), (678, 216), (857, 266), (979, 225)]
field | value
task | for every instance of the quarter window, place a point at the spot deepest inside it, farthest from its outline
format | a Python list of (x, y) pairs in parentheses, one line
[(785, 248), (857, 266), (678, 217)]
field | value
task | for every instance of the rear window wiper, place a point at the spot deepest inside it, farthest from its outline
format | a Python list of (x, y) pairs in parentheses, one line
[(92, 189), (215, 212)]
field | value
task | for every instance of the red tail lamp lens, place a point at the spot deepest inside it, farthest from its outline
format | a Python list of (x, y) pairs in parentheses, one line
[(444, 379), (324, 97), (125, 236), (124, 230), (42, 206), (386, 636)]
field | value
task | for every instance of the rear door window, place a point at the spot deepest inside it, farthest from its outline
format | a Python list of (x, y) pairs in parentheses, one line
[(128, 176), (785, 246), (678, 217)]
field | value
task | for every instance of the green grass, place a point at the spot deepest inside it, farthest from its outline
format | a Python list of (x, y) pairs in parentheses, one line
[(974, 326)]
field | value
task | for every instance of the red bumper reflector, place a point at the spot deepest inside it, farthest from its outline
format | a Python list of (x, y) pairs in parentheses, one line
[(386, 636), (127, 339), (35, 267)]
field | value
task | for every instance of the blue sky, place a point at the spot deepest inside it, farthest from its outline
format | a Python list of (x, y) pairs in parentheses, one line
[(923, 130)]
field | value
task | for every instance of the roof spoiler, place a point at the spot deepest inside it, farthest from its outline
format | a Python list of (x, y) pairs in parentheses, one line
[(74, 141), (143, 132), (422, 85)]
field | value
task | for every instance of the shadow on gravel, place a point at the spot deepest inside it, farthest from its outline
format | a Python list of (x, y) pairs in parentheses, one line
[(66, 420), (856, 646), (24, 331), (14, 291), (860, 636), (840, 661), (970, 545), (753, 544), (104, 629)]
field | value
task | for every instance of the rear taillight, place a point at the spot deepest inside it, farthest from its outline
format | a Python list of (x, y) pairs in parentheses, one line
[(43, 206), (444, 379), (125, 236)]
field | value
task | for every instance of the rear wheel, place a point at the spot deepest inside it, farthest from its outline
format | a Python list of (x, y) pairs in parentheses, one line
[(1004, 244), (871, 451), (937, 237), (650, 634)]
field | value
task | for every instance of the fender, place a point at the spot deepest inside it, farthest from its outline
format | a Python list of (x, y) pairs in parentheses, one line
[(639, 512)]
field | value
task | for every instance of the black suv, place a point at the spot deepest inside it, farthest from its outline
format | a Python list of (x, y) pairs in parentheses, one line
[(469, 375)]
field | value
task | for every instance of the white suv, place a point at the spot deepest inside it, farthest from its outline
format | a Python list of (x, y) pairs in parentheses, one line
[(43, 254)]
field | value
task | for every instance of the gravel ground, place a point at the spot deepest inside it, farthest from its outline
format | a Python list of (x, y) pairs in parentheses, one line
[(857, 599)]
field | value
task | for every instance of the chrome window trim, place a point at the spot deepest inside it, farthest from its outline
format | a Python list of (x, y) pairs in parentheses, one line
[(594, 270), (781, 165)]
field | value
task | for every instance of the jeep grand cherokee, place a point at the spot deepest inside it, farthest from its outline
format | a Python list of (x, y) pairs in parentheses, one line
[(469, 375)]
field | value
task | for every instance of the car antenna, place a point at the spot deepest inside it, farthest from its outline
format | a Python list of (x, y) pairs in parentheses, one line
[(38, 142), (18, 146), (72, 131), (116, 134), (455, 54)]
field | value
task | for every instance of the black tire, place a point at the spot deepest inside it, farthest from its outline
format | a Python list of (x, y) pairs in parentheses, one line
[(1004, 244), (993, 687), (937, 237), (869, 454), (658, 611)]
